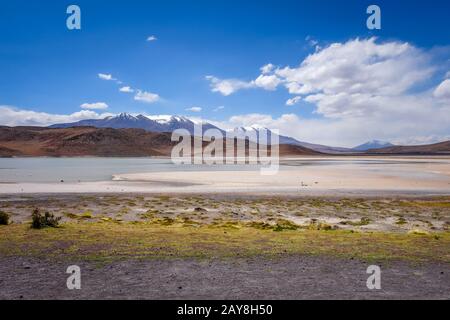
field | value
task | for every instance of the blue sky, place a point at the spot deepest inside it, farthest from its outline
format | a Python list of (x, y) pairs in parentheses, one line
[(47, 68)]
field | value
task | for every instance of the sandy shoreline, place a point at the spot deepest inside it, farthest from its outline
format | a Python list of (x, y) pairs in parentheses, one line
[(309, 176)]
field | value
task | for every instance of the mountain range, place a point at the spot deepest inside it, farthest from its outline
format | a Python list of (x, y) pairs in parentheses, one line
[(102, 142), (441, 148), (129, 135), (171, 123), (148, 123)]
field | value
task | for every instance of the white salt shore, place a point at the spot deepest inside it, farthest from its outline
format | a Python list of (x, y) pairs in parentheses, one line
[(417, 176)]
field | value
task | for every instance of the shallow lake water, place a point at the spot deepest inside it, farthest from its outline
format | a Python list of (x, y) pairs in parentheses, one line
[(16, 170)]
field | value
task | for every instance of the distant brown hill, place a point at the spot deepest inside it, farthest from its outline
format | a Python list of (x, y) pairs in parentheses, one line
[(90, 141), (82, 141), (289, 149), (437, 148)]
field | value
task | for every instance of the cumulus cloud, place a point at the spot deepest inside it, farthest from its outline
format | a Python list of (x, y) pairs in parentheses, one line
[(194, 109), (107, 77), (443, 90), (356, 67), (93, 106), (267, 82), (12, 116), (346, 132), (363, 89), (146, 97), (267, 68), (152, 38), (350, 78), (126, 89), (293, 101), (227, 87)]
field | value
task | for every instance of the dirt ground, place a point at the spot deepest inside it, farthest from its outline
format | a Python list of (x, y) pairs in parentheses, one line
[(288, 278)]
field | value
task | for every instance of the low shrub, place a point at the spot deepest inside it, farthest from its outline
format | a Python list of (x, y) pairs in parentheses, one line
[(322, 226), (40, 221), (283, 224), (4, 218), (364, 221)]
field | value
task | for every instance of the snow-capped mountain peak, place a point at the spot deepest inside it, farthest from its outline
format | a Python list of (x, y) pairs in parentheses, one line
[(374, 144), (256, 128), (155, 123), (125, 116), (169, 123)]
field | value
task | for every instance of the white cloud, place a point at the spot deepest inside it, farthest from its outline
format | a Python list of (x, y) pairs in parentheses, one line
[(362, 89), (12, 116), (313, 43), (293, 101), (349, 78), (96, 105), (194, 109), (107, 77), (443, 90), (355, 67), (146, 97), (152, 38), (348, 132), (267, 82), (126, 89), (227, 87), (219, 108), (267, 68)]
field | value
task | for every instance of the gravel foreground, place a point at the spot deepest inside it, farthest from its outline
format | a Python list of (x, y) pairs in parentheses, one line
[(295, 277)]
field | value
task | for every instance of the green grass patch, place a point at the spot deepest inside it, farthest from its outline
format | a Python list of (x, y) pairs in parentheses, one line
[(109, 240)]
